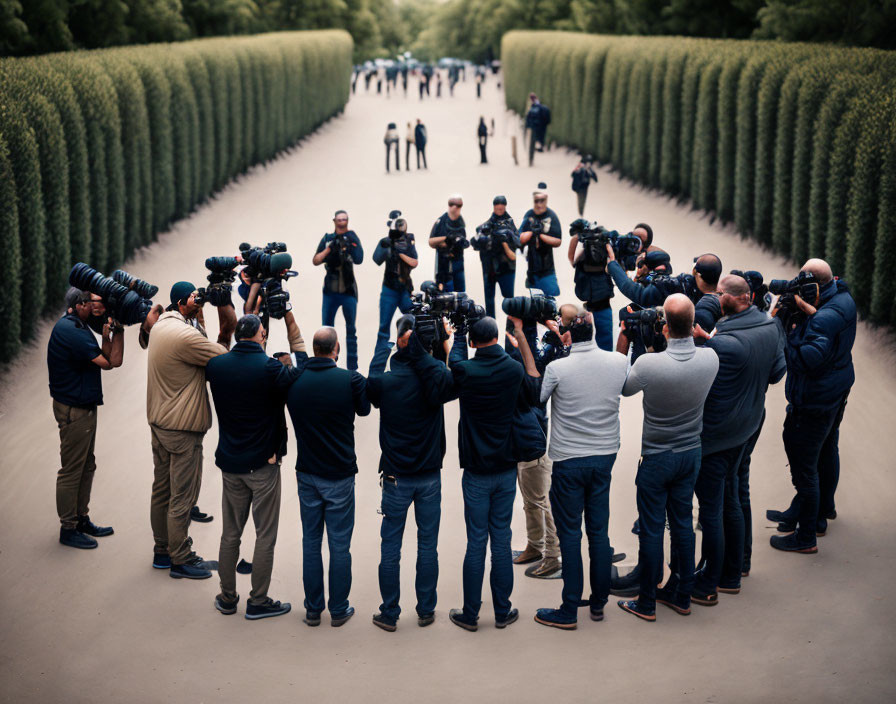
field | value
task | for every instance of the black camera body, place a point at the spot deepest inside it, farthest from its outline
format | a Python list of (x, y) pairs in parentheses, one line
[(805, 285), (494, 237), (595, 238), (125, 302), (270, 266), (432, 305), (645, 325), (220, 281), (534, 308)]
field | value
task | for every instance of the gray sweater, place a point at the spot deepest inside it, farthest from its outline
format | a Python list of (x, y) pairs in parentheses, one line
[(675, 384), (584, 390)]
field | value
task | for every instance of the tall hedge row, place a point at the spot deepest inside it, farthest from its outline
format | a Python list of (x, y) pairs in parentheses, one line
[(794, 143), (101, 150)]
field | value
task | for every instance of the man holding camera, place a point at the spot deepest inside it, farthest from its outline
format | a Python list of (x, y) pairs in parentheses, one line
[(449, 238), (412, 436), (820, 325), (675, 384), (750, 348), (179, 415), (323, 403), (251, 441), (488, 387), (340, 251), (496, 240), (540, 232), (75, 362), (398, 256)]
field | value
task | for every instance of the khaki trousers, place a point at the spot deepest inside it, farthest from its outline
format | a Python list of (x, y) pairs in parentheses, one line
[(260, 491), (77, 436), (535, 482), (177, 460)]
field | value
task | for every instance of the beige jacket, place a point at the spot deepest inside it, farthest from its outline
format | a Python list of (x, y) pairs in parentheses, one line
[(176, 396)]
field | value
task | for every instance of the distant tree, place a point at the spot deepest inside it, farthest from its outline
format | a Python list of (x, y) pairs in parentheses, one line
[(13, 31), (157, 21), (47, 24), (98, 23), (854, 22), (711, 18)]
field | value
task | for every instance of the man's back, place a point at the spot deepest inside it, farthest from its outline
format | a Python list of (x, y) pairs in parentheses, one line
[(584, 389), (675, 385), (322, 403)]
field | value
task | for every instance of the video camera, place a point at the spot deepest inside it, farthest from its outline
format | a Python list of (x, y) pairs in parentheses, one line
[(645, 325), (431, 305), (125, 297), (397, 225), (220, 281), (270, 266), (494, 237), (805, 285), (595, 238), (759, 293), (534, 308)]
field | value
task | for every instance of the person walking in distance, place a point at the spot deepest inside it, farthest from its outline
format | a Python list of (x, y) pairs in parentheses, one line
[(482, 132), (582, 176), (420, 139), (408, 143), (389, 140)]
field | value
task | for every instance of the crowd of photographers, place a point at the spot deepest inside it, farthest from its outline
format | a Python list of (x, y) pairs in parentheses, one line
[(702, 347)]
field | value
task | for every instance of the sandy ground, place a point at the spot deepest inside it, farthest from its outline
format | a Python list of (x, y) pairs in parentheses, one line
[(103, 626)]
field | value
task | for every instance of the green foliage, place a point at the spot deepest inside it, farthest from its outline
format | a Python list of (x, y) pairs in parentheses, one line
[(11, 310), (796, 143)]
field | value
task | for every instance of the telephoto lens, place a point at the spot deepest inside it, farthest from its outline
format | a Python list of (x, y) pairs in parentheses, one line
[(126, 306), (141, 287)]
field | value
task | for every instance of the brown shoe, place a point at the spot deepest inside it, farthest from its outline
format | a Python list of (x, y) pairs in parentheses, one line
[(528, 555), (548, 567)]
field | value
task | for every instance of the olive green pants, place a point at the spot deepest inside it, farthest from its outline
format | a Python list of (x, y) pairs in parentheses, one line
[(77, 436)]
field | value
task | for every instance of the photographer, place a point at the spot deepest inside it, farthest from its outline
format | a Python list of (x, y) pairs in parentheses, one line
[(675, 384), (582, 176), (340, 251), (820, 331), (398, 256), (74, 362), (449, 238), (323, 403), (750, 348), (249, 389), (412, 437), (540, 232), (488, 387), (584, 389), (179, 415), (496, 240)]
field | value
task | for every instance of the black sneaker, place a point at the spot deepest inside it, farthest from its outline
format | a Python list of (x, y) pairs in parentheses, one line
[(456, 616), (224, 606), (337, 621), (266, 609), (386, 624), (161, 562), (197, 515), (667, 598), (634, 607), (311, 619), (244, 567), (618, 557), (704, 599), (76, 539), (424, 620), (597, 614), (86, 526), (780, 516), (194, 568), (628, 585), (790, 543), (512, 617)]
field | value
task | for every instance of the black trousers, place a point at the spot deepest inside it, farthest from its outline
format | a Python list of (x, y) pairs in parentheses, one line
[(421, 152)]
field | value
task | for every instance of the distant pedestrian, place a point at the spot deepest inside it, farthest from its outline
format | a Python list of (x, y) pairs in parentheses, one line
[(409, 141), (438, 84), (420, 142), (390, 139), (483, 139), (537, 120), (582, 176)]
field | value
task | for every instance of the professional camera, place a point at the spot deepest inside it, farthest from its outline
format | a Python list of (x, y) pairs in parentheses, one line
[(536, 307), (493, 237), (220, 281), (805, 285), (645, 325), (595, 238), (759, 293), (125, 305), (134, 284), (455, 238), (552, 347), (270, 266), (536, 227), (682, 283), (397, 225), (459, 308)]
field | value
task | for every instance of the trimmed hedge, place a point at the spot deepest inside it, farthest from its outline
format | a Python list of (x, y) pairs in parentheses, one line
[(794, 143), (101, 150)]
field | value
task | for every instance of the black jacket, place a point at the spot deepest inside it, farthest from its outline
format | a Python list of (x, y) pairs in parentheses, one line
[(496, 263), (340, 276), (323, 403), (249, 389), (488, 387), (540, 256), (819, 351), (644, 296), (410, 398), (530, 418), (750, 346)]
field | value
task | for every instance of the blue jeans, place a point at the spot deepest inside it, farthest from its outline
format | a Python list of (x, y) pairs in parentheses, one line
[(488, 508), (732, 569), (425, 493), (546, 282), (349, 304), (583, 485), (454, 281), (331, 502), (716, 487), (390, 300), (665, 484), (603, 329), (505, 281)]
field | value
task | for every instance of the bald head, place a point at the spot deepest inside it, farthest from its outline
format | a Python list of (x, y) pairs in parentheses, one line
[(568, 313), (325, 342), (734, 285), (821, 269), (679, 316)]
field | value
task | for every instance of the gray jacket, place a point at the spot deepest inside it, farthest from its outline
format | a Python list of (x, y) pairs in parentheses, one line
[(750, 346)]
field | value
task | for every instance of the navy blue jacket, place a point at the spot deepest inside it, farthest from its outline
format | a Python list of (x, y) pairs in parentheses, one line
[(530, 418), (341, 268), (249, 389), (488, 386), (645, 296), (819, 351), (74, 379), (750, 346), (323, 403), (540, 256), (410, 398)]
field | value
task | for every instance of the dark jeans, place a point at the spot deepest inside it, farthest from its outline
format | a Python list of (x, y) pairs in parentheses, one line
[(488, 508), (453, 281), (349, 304), (547, 282), (603, 329), (399, 492), (331, 502), (390, 300), (665, 484), (505, 281), (482, 157), (720, 515), (811, 441), (421, 154), (731, 571), (582, 485)]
